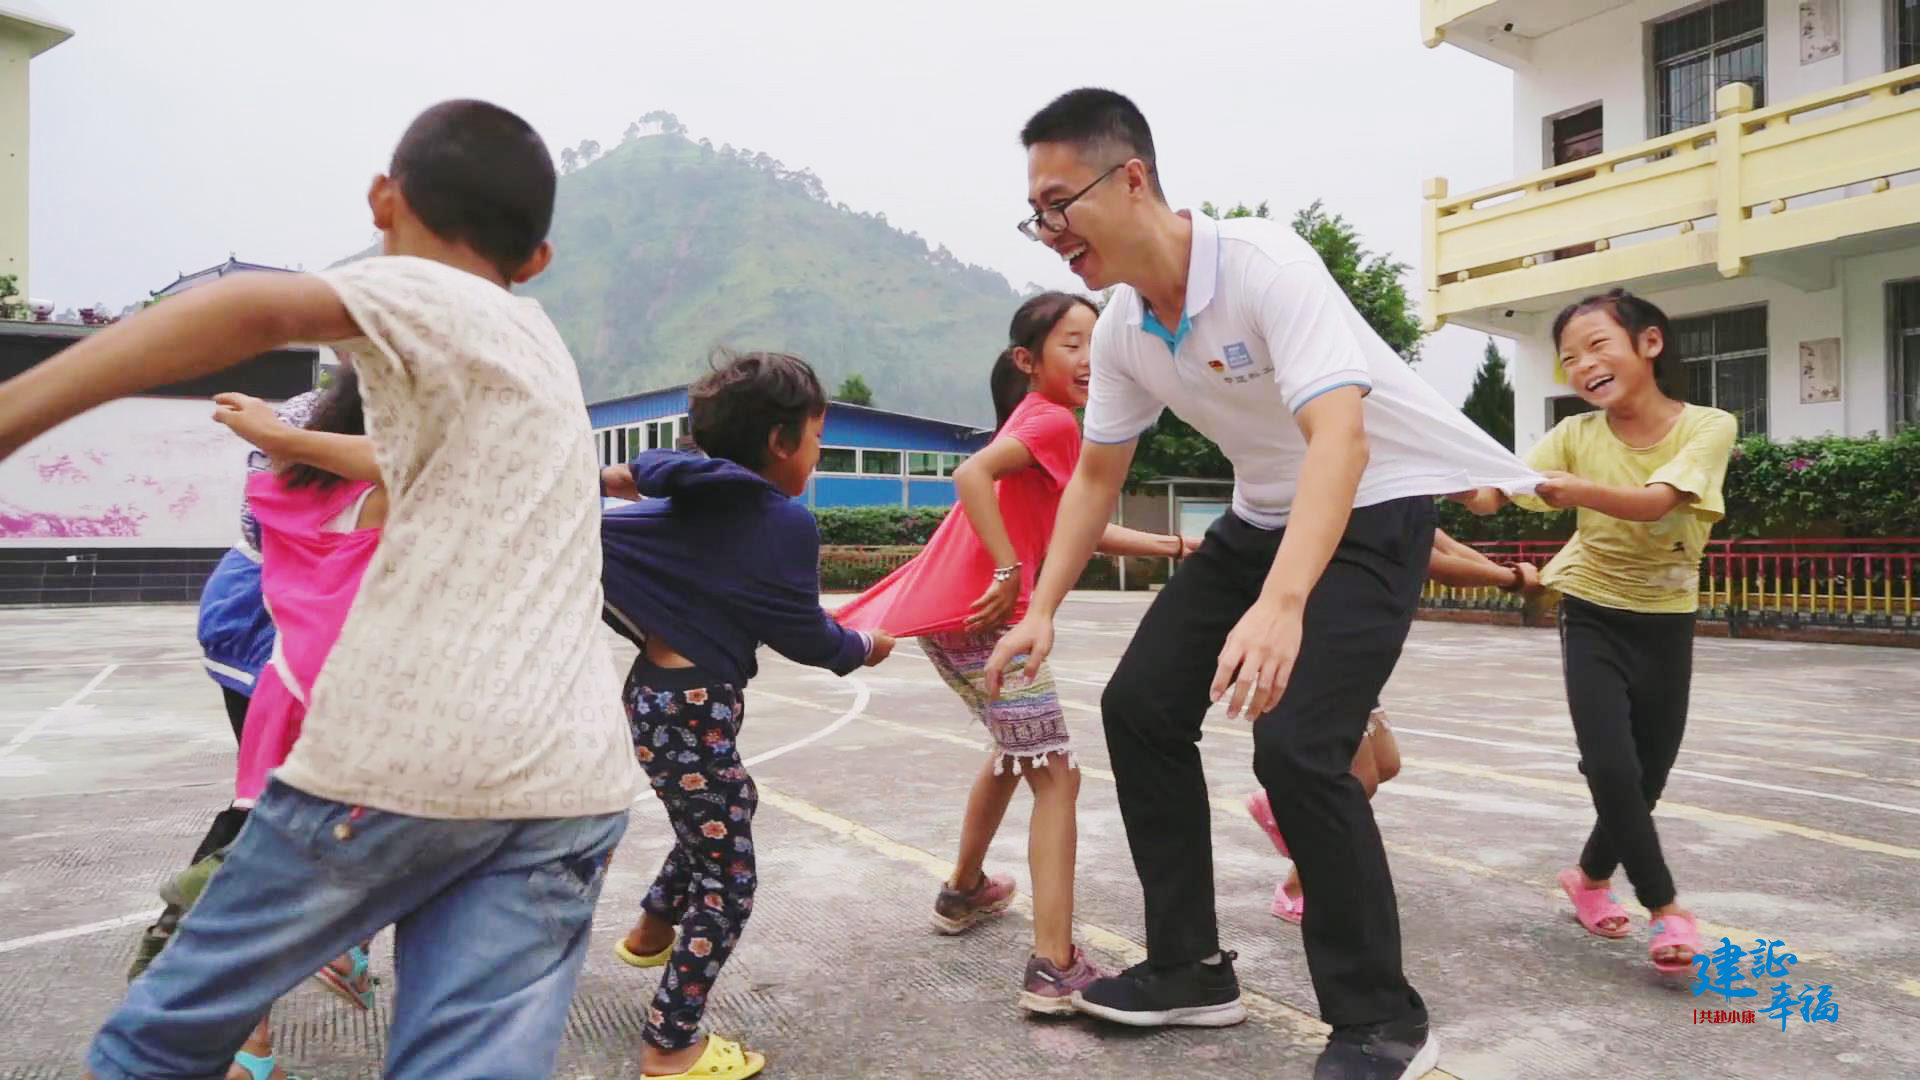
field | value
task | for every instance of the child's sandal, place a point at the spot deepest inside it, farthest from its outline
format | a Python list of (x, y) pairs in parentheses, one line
[(1261, 809), (1288, 908), (1669, 931), (349, 985), (645, 960), (258, 1067), (1593, 906), (723, 1059)]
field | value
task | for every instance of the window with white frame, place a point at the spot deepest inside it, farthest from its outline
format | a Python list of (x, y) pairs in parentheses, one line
[(1903, 354), (921, 463), (1724, 356), (1699, 51), (838, 459), (880, 462)]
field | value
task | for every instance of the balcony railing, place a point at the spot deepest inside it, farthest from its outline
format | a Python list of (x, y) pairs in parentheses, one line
[(1712, 198)]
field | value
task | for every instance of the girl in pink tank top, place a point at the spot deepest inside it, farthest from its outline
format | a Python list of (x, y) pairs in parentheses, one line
[(318, 531)]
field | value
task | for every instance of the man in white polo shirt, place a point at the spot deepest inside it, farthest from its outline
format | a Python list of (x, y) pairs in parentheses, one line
[(1293, 610)]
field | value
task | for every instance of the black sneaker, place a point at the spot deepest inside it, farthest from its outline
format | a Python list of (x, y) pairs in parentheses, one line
[(1396, 1050), (1191, 995)]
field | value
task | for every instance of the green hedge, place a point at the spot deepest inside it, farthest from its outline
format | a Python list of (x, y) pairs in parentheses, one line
[(1824, 488), (878, 526)]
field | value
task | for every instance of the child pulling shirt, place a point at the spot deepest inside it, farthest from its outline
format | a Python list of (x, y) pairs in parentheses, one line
[(718, 558)]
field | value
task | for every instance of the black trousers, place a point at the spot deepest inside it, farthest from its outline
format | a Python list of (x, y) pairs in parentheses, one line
[(1628, 675), (1355, 623)]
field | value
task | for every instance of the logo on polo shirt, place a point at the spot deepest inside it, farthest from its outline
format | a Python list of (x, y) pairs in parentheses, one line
[(1238, 356), (1217, 366)]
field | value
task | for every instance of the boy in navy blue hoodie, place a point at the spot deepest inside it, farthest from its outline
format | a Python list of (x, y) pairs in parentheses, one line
[(715, 561)]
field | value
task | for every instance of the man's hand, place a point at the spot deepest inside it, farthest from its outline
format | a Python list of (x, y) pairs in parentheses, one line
[(995, 606), (1561, 490), (252, 419), (1258, 659), (1031, 637), (882, 648)]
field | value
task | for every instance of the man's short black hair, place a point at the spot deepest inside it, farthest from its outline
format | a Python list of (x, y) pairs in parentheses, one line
[(1103, 124), (478, 175), (748, 395)]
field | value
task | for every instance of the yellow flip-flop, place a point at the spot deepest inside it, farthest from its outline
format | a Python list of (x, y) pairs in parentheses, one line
[(650, 960), (723, 1059)]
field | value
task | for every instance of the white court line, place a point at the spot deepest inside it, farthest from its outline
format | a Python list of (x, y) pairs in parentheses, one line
[(123, 663), (1696, 774), (1716, 777), (20, 739), (75, 931), (862, 694)]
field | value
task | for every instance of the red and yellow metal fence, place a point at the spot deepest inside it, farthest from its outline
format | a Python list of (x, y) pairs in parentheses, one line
[(1843, 582)]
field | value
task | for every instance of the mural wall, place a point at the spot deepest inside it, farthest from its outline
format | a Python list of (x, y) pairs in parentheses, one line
[(141, 472)]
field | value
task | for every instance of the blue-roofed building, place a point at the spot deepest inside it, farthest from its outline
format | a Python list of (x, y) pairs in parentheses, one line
[(868, 457)]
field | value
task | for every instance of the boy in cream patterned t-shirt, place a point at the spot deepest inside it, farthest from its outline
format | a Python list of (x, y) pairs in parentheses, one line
[(464, 770)]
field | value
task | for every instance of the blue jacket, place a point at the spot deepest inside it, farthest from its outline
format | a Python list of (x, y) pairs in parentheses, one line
[(236, 637), (717, 561)]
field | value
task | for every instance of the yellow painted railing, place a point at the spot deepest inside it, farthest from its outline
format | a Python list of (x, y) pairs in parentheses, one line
[(1812, 581), (1710, 197)]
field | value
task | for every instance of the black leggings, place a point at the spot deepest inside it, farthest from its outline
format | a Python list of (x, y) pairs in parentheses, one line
[(226, 824), (1628, 673)]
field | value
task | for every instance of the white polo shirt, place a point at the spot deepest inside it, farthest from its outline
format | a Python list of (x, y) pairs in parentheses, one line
[(1265, 331)]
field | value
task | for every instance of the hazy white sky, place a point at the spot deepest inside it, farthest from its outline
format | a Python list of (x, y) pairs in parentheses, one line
[(166, 136)]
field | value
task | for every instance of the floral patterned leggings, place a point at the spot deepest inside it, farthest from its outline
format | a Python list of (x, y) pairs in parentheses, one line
[(684, 726)]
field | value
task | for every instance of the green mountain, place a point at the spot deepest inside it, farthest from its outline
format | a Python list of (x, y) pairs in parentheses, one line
[(665, 248)]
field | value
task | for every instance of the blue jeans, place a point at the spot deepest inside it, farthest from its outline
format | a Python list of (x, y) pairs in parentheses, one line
[(490, 929)]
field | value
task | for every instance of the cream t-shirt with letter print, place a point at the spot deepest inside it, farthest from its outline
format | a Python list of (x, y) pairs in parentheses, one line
[(470, 679), (1649, 566)]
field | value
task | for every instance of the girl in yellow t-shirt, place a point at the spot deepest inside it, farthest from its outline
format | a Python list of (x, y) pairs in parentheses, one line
[(1644, 472)]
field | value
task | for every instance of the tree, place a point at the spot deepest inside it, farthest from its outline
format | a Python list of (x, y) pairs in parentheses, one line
[(10, 306), (853, 391), (1490, 404), (588, 150), (1372, 282), (569, 160), (632, 132)]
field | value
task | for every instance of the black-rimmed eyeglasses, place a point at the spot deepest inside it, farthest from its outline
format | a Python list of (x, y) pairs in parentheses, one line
[(1054, 218)]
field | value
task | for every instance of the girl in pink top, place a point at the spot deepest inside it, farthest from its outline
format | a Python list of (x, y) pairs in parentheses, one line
[(320, 509), (961, 592)]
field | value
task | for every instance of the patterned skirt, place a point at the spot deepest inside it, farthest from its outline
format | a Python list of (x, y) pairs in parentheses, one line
[(1026, 721)]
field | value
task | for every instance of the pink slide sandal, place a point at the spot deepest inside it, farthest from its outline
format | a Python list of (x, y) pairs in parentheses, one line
[(1593, 906), (1289, 908), (1262, 812), (1671, 930)]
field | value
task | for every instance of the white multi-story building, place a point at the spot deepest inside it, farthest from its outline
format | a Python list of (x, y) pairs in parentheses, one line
[(25, 32), (1752, 166)]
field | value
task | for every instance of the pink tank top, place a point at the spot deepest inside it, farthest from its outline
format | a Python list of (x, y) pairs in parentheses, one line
[(312, 559)]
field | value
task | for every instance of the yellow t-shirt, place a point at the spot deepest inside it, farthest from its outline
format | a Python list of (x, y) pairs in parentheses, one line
[(1650, 566)]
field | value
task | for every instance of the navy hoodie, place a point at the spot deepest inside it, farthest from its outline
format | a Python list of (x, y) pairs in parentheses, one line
[(717, 561)]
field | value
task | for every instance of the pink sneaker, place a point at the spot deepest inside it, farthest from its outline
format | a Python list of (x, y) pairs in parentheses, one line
[(1049, 990), (956, 912)]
